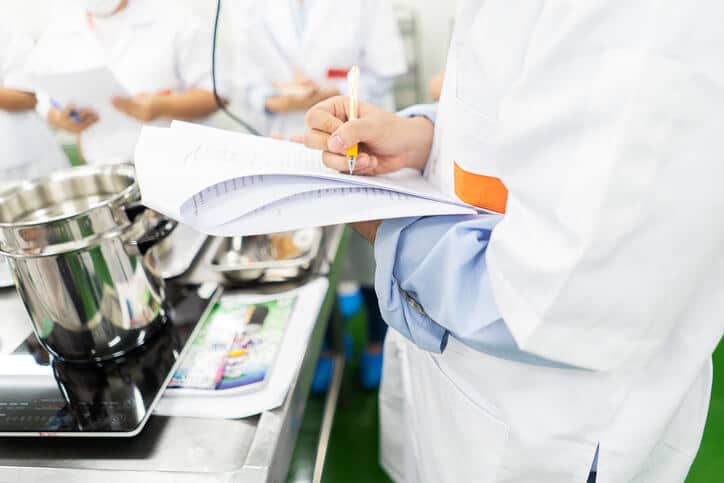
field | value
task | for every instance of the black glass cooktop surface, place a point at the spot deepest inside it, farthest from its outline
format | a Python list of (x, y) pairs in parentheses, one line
[(42, 396)]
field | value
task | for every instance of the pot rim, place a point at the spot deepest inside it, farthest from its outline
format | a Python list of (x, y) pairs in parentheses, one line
[(64, 248), (123, 169)]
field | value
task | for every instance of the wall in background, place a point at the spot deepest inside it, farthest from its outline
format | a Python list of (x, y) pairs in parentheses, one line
[(434, 28)]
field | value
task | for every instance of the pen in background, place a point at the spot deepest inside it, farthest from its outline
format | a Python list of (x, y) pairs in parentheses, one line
[(353, 84), (73, 114)]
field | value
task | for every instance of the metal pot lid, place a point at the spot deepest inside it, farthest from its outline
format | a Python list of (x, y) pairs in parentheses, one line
[(66, 210)]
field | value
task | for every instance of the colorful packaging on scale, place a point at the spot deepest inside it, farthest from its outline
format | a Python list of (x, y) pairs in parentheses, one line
[(236, 346)]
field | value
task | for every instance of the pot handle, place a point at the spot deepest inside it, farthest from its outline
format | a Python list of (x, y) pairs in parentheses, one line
[(163, 228), (134, 209)]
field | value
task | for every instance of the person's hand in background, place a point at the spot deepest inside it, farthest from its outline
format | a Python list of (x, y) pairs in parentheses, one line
[(71, 119), (294, 97), (298, 94), (143, 107), (387, 142), (188, 105), (12, 100)]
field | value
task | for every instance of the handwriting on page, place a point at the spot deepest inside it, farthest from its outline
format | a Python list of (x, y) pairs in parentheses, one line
[(254, 157)]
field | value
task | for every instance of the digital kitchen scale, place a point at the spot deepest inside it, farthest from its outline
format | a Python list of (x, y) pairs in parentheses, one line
[(42, 396)]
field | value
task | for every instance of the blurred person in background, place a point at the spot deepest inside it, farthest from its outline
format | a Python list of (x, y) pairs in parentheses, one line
[(160, 52), (286, 64), (27, 147)]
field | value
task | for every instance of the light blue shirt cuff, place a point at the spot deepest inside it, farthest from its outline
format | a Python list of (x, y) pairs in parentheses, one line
[(428, 111), (432, 283), (432, 280), (407, 318)]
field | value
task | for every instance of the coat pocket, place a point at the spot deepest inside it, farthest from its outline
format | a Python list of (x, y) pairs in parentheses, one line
[(456, 439)]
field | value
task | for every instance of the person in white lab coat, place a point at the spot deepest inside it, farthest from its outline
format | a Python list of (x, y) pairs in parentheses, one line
[(27, 147), (159, 51), (569, 339), (286, 63)]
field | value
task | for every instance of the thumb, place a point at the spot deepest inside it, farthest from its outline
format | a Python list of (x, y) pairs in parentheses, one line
[(351, 133)]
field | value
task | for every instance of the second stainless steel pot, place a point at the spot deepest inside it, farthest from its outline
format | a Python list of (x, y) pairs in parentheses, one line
[(76, 242)]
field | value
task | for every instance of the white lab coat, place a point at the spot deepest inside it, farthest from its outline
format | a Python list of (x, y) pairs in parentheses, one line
[(335, 35), (604, 121), (27, 147), (163, 47)]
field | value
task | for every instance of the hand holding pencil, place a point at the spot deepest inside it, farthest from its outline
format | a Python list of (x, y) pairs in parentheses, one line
[(360, 138)]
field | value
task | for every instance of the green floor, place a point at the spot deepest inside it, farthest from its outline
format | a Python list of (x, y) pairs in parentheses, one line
[(709, 464), (352, 454)]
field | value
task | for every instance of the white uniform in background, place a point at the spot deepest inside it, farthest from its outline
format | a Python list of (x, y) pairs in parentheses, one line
[(27, 147), (151, 46), (604, 121), (275, 37)]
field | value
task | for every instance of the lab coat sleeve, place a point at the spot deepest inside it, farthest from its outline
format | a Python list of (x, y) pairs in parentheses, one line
[(610, 146), (14, 49), (258, 94), (383, 52), (383, 56), (250, 80), (431, 278), (193, 56)]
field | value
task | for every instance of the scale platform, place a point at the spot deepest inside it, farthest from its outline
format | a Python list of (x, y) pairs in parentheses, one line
[(42, 396)]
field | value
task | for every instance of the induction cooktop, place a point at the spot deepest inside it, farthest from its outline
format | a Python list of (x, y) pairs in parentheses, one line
[(43, 396)]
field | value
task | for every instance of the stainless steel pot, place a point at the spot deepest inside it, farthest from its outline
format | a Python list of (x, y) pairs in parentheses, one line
[(76, 242)]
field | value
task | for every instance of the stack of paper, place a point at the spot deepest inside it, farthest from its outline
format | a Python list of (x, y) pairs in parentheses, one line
[(228, 184), (243, 401)]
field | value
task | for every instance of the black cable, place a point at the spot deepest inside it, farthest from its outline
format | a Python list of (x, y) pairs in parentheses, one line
[(219, 101)]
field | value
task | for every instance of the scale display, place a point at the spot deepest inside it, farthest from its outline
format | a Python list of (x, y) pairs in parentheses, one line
[(43, 396)]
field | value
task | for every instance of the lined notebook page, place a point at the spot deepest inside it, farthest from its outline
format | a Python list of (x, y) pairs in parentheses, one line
[(226, 183), (335, 206), (212, 206)]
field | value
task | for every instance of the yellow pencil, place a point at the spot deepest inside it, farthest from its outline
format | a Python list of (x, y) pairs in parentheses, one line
[(353, 84)]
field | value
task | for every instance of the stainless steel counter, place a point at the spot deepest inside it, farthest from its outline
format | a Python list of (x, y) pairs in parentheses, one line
[(171, 449)]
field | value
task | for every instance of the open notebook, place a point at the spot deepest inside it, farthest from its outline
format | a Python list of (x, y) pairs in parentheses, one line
[(230, 184)]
